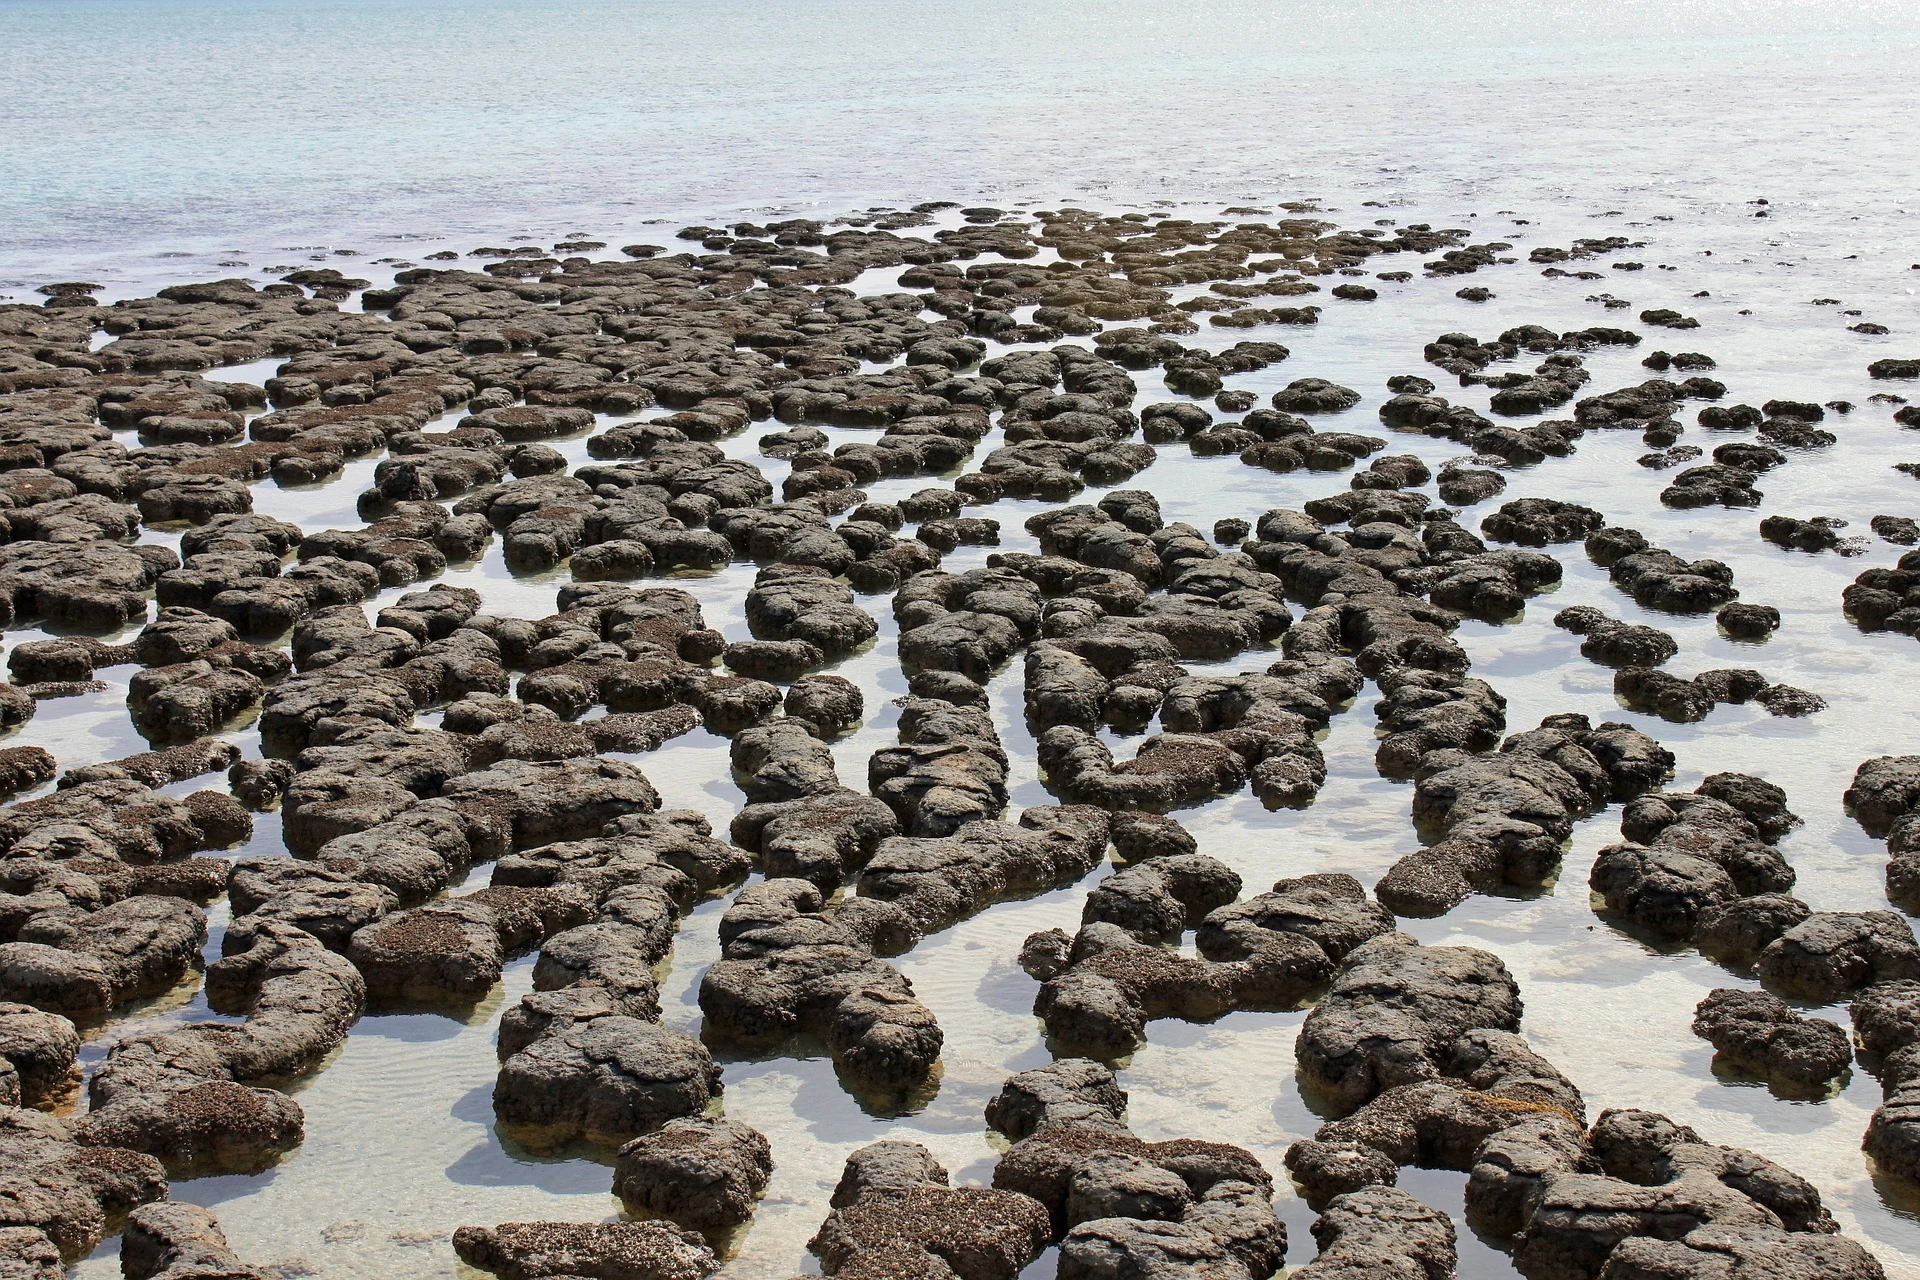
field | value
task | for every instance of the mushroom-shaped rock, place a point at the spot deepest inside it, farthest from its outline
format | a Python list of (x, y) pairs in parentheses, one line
[(607, 1080), (701, 1173)]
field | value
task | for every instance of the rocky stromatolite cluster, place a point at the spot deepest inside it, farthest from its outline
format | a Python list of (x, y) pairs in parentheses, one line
[(1417, 1049), (570, 416), (1101, 986)]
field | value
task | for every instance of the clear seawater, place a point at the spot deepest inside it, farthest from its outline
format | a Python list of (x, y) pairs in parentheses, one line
[(148, 143), (133, 128)]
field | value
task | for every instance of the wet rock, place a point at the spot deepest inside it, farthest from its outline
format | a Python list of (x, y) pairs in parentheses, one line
[(782, 761), (138, 825), (1536, 522), (1314, 395), (671, 851), (454, 950), (322, 803), (1667, 318), (42, 661), (1748, 621), (182, 635), (1655, 1177), (949, 770), (1129, 1207), (1684, 701), (1740, 1252), (1395, 471), (172, 1240), (1163, 897), (26, 1252), (62, 1192), (1886, 1022), (591, 1250), (177, 704), (1883, 799), (779, 661), (701, 1173), (1381, 1231), (1463, 486), (1758, 1033), (1267, 952), (818, 837), (1392, 1008), (187, 1095), (160, 768), (82, 964), (1831, 954), (22, 768), (1900, 530), (1818, 534), (328, 904), (790, 969), (1230, 531), (832, 704), (1503, 818), (1658, 579), (1425, 710), (1615, 643), (642, 874), (1793, 432), (1116, 1245), (43, 1050), (1139, 836), (800, 602), (1064, 1090), (1785, 700), (91, 586), (1711, 484), (1693, 856), (936, 881), (606, 1081), (895, 1214), (1736, 932), (290, 710), (547, 801)]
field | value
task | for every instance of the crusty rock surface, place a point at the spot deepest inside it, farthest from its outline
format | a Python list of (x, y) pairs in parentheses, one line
[(701, 1173), (63, 1191), (171, 1240), (1381, 1231), (1499, 820), (894, 1214), (407, 735), (1127, 1207), (1690, 858), (43, 1050), (593, 1250), (1101, 987), (789, 968), (1761, 1034)]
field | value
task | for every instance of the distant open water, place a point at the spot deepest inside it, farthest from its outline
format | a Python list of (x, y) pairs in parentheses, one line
[(228, 129)]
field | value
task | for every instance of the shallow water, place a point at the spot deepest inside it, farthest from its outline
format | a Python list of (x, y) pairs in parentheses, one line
[(217, 133), (401, 1146), (262, 130)]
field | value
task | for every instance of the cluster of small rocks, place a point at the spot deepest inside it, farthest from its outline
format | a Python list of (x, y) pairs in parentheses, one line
[(403, 752)]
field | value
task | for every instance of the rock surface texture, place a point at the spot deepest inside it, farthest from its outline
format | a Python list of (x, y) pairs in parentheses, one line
[(558, 738)]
